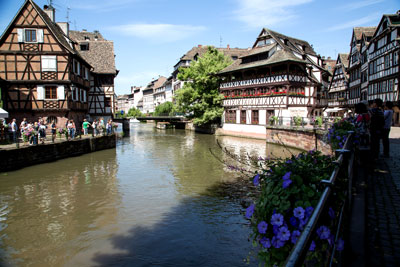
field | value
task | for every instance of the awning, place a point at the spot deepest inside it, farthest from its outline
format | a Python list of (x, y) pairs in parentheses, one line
[(3, 114), (328, 110)]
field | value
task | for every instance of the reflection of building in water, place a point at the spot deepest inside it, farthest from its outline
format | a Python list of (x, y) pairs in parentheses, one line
[(48, 209)]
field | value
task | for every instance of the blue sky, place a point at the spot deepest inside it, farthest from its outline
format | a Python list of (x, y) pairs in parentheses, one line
[(151, 35)]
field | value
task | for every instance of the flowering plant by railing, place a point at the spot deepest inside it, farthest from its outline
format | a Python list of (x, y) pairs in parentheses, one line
[(266, 94), (337, 134), (27, 134), (61, 132), (290, 189)]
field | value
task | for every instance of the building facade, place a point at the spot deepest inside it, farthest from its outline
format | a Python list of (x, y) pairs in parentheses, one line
[(338, 87), (99, 52), (280, 76), (45, 74)]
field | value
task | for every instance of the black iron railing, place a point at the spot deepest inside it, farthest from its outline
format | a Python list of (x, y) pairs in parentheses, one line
[(344, 167)]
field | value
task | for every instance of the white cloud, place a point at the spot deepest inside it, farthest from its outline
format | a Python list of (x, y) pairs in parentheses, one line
[(265, 13), (160, 33), (357, 5), (374, 18)]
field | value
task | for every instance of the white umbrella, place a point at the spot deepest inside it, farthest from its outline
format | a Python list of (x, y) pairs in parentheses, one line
[(3, 114)]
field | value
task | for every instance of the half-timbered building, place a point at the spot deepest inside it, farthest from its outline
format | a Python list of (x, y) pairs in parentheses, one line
[(280, 76), (99, 52), (360, 36), (338, 87), (46, 76), (383, 53)]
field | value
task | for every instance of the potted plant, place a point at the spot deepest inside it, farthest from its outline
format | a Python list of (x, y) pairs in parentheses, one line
[(273, 120)]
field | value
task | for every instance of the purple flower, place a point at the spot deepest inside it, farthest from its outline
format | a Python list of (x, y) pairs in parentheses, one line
[(275, 229), (286, 176), (277, 219), (250, 211), (256, 180), (302, 223), (283, 234), (293, 221), (340, 244), (299, 212), (286, 183), (265, 242), (262, 227), (331, 213), (277, 243), (312, 246), (289, 161), (295, 236), (338, 137), (323, 232), (309, 211)]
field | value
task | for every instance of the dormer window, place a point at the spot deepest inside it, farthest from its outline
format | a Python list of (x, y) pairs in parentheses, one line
[(84, 47), (87, 38)]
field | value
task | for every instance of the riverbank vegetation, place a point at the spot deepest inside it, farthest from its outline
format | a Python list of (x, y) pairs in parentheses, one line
[(200, 96)]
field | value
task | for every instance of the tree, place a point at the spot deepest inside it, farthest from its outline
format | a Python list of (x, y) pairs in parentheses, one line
[(164, 109), (134, 112), (200, 96)]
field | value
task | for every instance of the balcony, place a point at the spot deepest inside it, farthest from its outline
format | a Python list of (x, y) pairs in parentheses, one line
[(264, 80)]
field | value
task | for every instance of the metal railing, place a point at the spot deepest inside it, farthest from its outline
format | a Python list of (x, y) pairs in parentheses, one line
[(303, 122), (344, 166)]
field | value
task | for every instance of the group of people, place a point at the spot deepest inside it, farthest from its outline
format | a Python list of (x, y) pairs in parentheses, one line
[(35, 132), (373, 124)]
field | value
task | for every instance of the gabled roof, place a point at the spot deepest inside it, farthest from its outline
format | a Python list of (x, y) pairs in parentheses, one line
[(100, 54), (344, 59), (292, 43), (52, 26), (279, 56), (393, 22), (359, 31)]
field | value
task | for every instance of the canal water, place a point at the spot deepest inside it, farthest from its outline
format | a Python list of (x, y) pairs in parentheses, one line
[(145, 203)]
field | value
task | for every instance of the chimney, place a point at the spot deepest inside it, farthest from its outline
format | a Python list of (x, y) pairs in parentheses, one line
[(50, 11), (227, 46), (84, 30), (64, 27), (199, 46), (329, 58)]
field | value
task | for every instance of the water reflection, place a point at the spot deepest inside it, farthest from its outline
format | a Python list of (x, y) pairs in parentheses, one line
[(142, 204), (46, 208)]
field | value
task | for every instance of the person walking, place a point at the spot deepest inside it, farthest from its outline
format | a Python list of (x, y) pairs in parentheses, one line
[(94, 126), (388, 115), (85, 126), (376, 126), (14, 130), (42, 131), (23, 126), (109, 127), (53, 131)]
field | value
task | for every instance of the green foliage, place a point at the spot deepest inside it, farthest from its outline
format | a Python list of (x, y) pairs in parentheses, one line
[(318, 121), (298, 121), (287, 186), (200, 95), (166, 108), (134, 112), (338, 133), (273, 120)]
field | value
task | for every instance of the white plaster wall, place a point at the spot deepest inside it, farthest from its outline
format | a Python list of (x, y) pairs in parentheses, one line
[(237, 116), (262, 116), (248, 116), (245, 128)]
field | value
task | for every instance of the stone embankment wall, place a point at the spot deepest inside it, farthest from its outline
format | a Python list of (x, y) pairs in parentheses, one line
[(12, 159), (302, 138)]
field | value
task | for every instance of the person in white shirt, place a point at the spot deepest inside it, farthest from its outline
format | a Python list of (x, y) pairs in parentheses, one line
[(14, 129)]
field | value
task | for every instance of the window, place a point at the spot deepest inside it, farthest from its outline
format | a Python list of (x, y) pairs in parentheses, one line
[(30, 36), (73, 94), (49, 63), (107, 102), (395, 58), (51, 92), (84, 47), (230, 116), (254, 117), (243, 116), (51, 119)]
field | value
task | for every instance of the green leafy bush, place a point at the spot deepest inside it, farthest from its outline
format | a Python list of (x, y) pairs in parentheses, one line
[(337, 134)]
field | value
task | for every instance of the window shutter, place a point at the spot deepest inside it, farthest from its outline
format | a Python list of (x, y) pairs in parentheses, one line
[(84, 96), (20, 35), (60, 92), (40, 35), (40, 92)]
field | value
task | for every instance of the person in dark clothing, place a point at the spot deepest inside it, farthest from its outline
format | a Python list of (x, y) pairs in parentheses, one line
[(388, 114), (376, 126)]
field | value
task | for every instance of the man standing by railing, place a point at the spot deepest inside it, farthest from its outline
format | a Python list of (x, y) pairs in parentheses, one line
[(14, 130)]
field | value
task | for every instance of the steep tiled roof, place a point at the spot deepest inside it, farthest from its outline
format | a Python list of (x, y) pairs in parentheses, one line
[(394, 19), (200, 50), (292, 43), (100, 53), (278, 56), (368, 31), (344, 58)]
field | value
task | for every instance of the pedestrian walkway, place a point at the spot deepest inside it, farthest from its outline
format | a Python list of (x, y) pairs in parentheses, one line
[(383, 207)]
